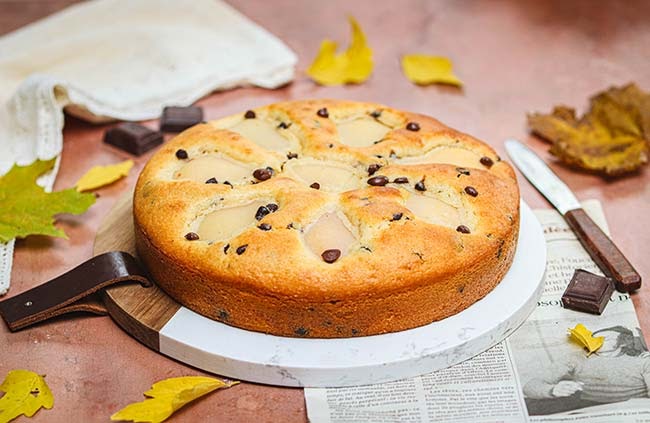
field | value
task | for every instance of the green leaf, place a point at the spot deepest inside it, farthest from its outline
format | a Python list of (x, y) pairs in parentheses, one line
[(26, 209)]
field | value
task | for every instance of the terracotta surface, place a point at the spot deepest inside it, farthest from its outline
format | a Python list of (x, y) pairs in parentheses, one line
[(513, 56)]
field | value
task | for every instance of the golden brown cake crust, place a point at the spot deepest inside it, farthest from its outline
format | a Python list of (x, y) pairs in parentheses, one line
[(399, 273)]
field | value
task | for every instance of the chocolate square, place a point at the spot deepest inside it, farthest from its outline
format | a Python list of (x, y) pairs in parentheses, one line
[(133, 138), (588, 292), (177, 119)]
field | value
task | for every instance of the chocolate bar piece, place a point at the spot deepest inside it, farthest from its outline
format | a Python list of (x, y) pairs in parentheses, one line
[(177, 119), (588, 292), (133, 138)]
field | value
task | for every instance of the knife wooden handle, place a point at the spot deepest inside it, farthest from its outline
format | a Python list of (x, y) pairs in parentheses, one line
[(603, 251)]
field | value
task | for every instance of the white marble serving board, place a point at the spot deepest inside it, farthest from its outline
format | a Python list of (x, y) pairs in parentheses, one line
[(298, 362)]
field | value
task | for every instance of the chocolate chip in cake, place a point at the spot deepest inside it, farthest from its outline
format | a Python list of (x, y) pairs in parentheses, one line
[(181, 154), (241, 249), (133, 138), (462, 171), (378, 181), (373, 168), (413, 126), (284, 125), (471, 191), (323, 113), (223, 315), (401, 180), (301, 331), (191, 236), (397, 216), (292, 156), (315, 185), (177, 119), (228, 183), (264, 227), (272, 207), (420, 186), (375, 114), (212, 180), (355, 331), (463, 229), (249, 114), (261, 212), (226, 248), (486, 161), (330, 256), (263, 174)]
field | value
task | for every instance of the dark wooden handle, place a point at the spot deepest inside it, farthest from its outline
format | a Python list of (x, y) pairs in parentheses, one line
[(603, 251)]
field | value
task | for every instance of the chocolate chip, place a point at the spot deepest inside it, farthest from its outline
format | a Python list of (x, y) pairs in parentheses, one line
[(264, 227), (378, 181), (462, 229), (463, 171), (373, 168), (375, 114), (181, 154), (226, 248), (261, 212), (330, 256), (228, 183), (315, 185), (330, 146), (249, 114), (283, 125), (401, 180), (191, 236), (272, 207), (486, 161), (323, 112), (212, 181), (397, 216), (263, 174), (292, 156), (223, 315), (420, 186), (413, 126), (301, 331), (241, 249), (471, 191)]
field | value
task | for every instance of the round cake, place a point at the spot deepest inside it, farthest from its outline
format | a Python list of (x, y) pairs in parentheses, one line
[(326, 218)]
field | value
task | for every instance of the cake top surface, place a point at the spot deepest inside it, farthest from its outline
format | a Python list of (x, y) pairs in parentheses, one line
[(305, 196)]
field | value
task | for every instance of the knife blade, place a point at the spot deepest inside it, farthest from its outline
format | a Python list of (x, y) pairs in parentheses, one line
[(600, 247)]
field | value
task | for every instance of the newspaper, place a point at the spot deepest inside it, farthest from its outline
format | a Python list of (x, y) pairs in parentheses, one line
[(535, 375)]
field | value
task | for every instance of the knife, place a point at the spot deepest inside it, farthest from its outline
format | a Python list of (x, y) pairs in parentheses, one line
[(601, 249)]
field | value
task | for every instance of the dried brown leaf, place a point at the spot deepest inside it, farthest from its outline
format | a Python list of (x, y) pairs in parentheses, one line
[(611, 138)]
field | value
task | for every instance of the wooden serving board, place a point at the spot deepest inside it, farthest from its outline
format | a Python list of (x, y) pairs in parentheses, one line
[(159, 322), (140, 311)]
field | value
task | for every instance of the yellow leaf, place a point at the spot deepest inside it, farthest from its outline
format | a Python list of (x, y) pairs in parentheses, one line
[(167, 396), (25, 393), (424, 70), (352, 66), (583, 336), (99, 176)]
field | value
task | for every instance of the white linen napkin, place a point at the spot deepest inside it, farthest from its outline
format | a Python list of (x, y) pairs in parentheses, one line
[(122, 59)]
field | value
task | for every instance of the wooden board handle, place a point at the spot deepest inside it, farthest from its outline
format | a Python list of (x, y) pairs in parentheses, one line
[(72, 291), (603, 251)]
